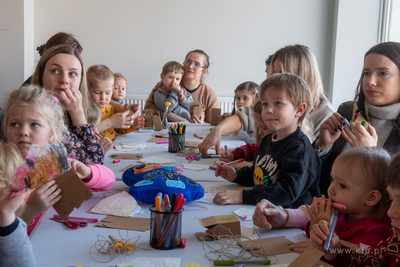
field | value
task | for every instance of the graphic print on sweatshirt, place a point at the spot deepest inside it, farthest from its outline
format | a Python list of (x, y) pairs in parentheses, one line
[(265, 171)]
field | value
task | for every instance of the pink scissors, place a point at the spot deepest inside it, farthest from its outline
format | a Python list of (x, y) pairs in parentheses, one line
[(71, 225)]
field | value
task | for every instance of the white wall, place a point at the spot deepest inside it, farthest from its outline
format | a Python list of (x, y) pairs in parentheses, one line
[(137, 37), (11, 45), (354, 37)]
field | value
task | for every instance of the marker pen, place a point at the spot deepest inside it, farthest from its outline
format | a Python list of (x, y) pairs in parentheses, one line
[(332, 226)]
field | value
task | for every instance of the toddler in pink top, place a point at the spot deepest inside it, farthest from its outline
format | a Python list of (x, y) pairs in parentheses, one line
[(357, 185), (33, 116)]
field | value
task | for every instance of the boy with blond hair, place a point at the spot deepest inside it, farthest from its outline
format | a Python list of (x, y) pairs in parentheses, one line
[(100, 80), (169, 90)]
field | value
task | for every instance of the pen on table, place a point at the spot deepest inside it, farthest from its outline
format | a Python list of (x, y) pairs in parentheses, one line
[(332, 226), (158, 136), (226, 152), (199, 136), (158, 143), (209, 156)]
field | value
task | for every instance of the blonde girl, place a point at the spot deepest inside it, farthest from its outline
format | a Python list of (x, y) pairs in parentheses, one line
[(60, 70), (33, 115), (286, 168)]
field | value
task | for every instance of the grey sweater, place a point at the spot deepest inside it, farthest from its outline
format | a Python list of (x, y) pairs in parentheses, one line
[(15, 247)]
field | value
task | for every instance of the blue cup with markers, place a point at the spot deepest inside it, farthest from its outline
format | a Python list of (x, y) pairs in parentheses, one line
[(165, 228)]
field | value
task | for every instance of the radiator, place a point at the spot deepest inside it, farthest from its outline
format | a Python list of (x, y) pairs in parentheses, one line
[(225, 102)]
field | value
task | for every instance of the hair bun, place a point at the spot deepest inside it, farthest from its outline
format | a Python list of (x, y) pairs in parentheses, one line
[(40, 49)]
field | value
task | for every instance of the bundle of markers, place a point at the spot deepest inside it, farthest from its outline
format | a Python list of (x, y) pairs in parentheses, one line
[(166, 222), (176, 137)]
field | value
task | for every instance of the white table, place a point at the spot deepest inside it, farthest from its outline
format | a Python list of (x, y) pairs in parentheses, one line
[(56, 245)]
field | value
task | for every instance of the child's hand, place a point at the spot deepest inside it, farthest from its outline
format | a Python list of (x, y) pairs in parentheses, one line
[(239, 165), (8, 205), (320, 209), (176, 85), (267, 215), (225, 171), (181, 94), (330, 130), (224, 158), (138, 122), (319, 234), (41, 199), (134, 108), (106, 143), (299, 247), (228, 197), (83, 171), (121, 120)]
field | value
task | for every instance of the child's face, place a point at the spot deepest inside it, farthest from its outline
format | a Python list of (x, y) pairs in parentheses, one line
[(243, 98), (26, 127), (119, 91), (278, 113), (346, 188), (262, 127), (394, 210), (61, 72), (381, 80), (101, 93), (171, 77)]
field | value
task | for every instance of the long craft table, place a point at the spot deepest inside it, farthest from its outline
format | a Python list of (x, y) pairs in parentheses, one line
[(56, 245)]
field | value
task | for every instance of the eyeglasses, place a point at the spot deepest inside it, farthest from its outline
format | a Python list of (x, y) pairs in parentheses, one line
[(189, 63)]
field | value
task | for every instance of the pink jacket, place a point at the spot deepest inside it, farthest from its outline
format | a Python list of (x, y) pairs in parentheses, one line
[(103, 178)]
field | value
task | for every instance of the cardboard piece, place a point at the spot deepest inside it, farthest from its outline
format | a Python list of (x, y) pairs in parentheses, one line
[(221, 225), (126, 156), (73, 192), (127, 167), (215, 115), (133, 108), (148, 118), (273, 245), (125, 223), (359, 119), (308, 258), (157, 123), (156, 140), (195, 109)]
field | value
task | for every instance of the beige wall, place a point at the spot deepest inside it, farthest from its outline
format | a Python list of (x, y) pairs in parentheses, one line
[(137, 37)]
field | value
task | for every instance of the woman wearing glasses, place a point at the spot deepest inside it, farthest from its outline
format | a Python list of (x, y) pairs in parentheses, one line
[(195, 67)]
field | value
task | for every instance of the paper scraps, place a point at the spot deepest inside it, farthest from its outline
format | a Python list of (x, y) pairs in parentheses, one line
[(195, 167), (120, 204), (210, 191), (125, 223), (250, 232), (154, 262), (73, 192), (244, 214), (156, 140), (157, 160), (274, 245), (42, 164), (131, 146)]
